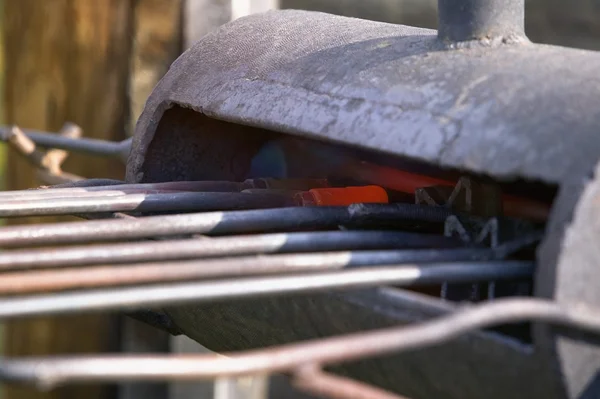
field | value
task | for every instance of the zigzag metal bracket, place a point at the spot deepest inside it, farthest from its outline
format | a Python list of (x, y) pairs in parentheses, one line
[(461, 196)]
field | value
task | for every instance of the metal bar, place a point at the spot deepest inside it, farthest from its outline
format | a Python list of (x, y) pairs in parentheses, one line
[(96, 185), (50, 193), (50, 372), (463, 20), (35, 198), (48, 167), (240, 288), (171, 202), (82, 145), (216, 223), (219, 246), (161, 272), (15, 137), (66, 194), (313, 380)]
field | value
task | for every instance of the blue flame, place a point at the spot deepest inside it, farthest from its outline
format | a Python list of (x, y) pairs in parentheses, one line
[(269, 161)]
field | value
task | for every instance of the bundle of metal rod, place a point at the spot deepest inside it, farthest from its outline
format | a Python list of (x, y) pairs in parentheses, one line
[(182, 197), (219, 223), (283, 250)]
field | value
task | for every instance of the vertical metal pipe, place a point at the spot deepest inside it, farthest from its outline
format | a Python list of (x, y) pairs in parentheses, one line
[(463, 20)]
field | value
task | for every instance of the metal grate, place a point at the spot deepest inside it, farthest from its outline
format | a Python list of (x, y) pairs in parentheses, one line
[(217, 243)]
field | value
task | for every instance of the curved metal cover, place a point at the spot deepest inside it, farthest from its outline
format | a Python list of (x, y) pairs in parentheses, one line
[(507, 110)]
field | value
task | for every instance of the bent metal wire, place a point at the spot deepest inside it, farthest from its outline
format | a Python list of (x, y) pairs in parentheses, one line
[(131, 275)]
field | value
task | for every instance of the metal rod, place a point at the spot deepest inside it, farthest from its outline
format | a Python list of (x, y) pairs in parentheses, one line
[(101, 185), (464, 20), (216, 223), (171, 202), (313, 380), (50, 372), (65, 196), (240, 288), (155, 272), (192, 186), (82, 145), (24, 146), (219, 246)]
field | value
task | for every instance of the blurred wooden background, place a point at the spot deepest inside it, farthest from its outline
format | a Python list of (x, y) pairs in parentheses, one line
[(92, 63), (95, 62)]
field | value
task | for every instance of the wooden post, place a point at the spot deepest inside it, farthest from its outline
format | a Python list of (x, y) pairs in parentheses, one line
[(67, 60), (157, 42), (204, 16)]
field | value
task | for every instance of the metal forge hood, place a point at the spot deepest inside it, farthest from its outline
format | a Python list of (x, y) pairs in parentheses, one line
[(497, 106), (504, 109)]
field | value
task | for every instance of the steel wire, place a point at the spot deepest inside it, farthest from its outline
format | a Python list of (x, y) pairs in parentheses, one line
[(52, 371)]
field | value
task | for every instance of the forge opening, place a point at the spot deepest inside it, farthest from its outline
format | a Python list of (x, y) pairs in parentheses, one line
[(191, 146)]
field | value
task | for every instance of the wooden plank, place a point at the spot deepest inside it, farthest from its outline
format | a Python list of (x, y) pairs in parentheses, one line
[(157, 43), (66, 61)]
